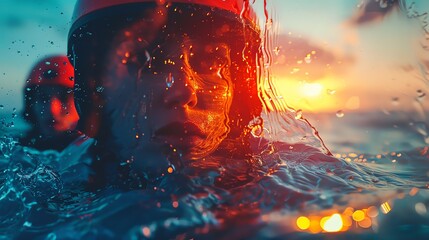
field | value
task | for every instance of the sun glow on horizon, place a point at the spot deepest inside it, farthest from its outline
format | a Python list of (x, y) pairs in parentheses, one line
[(311, 89), (317, 96)]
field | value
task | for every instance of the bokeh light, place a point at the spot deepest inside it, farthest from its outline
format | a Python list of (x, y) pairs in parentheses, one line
[(303, 223), (332, 223)]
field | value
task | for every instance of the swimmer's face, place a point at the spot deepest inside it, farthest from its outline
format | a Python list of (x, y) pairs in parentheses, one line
[(174, 96), (54, 110)]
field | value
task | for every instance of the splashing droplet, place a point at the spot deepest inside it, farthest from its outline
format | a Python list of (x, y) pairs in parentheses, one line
[(257, 131), (169, 80), (256, 126), (7, 145), (340, 113)]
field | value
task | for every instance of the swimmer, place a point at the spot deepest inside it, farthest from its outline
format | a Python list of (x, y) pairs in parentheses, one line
[(49, 105), (164, 80)]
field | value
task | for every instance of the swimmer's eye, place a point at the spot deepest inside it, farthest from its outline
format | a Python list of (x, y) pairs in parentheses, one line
[(210, 59)]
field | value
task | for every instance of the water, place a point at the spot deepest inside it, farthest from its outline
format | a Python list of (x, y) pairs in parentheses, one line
[(43, 196), (375, 186)]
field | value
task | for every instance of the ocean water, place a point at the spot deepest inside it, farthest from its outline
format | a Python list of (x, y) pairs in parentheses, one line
[(285, 191), (374, 186)]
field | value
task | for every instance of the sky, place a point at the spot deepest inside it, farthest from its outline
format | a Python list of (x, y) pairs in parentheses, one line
[(328, 56)]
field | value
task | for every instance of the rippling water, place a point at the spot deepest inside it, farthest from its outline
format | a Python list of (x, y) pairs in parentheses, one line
[(43, 195)]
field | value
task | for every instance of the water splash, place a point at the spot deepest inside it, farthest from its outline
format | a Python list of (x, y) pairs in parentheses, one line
[(7, 145)]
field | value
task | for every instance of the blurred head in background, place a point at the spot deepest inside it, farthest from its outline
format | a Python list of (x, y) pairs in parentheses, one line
[(49, 103)]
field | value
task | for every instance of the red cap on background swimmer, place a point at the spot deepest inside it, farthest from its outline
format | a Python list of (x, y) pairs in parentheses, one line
[(84, 7), (54, 70)]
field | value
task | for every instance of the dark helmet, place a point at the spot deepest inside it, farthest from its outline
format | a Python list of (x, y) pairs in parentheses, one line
[(96, 22)]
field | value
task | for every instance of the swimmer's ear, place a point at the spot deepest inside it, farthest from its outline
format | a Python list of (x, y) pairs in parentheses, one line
[(138, 63)]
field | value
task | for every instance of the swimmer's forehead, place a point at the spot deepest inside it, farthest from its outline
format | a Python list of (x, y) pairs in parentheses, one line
[(174, 45)]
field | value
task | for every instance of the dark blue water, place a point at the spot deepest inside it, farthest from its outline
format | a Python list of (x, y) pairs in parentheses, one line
[(43, 195)]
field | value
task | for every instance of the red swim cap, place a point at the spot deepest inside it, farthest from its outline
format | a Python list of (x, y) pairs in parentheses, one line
[(54, 70), (85, 7)]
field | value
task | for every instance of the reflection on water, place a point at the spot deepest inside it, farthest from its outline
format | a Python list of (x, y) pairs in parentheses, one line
[(285, 191)]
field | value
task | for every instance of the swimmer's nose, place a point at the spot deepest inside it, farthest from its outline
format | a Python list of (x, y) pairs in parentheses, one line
[(181, 94)]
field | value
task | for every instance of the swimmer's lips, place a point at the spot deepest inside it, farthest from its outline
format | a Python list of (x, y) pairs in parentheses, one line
[(180, 134)]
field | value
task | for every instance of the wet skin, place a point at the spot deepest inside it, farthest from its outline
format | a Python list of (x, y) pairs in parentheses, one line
[(175, 100)]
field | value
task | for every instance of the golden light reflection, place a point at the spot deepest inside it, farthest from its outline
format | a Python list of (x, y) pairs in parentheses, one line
[(350, 219), (385, 208), (332, 223)]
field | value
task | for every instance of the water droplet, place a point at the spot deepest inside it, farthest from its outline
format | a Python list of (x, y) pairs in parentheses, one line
[(27, 224), (330, 91), (169, 80), (420, 95), (298, 114), (383, 3), (395, 101), (1, 106), (307, 59), (276, 51), (100, 89), (71, 78), (340, 113)]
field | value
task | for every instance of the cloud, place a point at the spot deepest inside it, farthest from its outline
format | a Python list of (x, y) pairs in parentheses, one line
[(373, 11), (301, 59)]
